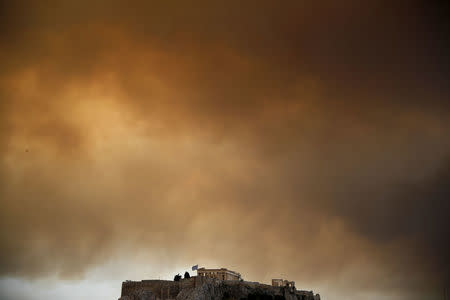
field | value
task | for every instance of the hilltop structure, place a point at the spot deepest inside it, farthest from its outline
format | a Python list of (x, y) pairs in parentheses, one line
[(213, 284), (222, 273), (281, 282)]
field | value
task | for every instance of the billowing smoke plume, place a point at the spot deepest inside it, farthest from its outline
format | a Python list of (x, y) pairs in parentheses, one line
[(309, 139)]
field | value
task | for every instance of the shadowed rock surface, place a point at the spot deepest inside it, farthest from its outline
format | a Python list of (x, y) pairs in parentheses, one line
[(197, 288)]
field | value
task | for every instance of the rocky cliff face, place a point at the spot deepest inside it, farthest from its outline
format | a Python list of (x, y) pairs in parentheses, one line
[(211, 289)]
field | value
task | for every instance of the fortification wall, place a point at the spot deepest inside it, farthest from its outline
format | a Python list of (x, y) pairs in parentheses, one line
[(202, 288), (161, 289)]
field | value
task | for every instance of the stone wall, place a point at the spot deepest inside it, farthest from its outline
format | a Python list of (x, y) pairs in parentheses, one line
[(203, 288), (161, 289)]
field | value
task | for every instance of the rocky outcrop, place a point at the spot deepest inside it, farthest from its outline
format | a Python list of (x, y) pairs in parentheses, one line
[(210, 289)]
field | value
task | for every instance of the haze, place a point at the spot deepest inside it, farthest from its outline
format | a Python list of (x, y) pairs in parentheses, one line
[(308, 140)]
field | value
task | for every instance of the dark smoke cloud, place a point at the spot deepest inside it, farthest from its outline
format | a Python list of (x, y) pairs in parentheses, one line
[(300, 138)]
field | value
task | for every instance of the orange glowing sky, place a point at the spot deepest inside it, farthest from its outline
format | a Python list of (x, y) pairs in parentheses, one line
[(297, 140)]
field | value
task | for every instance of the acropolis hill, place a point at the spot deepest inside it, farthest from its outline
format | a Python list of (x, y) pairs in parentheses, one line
[(209, 284)]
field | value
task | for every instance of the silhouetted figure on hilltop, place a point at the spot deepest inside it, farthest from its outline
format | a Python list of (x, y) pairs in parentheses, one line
[(177, 277), (186, 275)]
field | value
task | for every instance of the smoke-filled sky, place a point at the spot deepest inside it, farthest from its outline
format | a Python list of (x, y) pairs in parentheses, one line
[(308, 140)]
